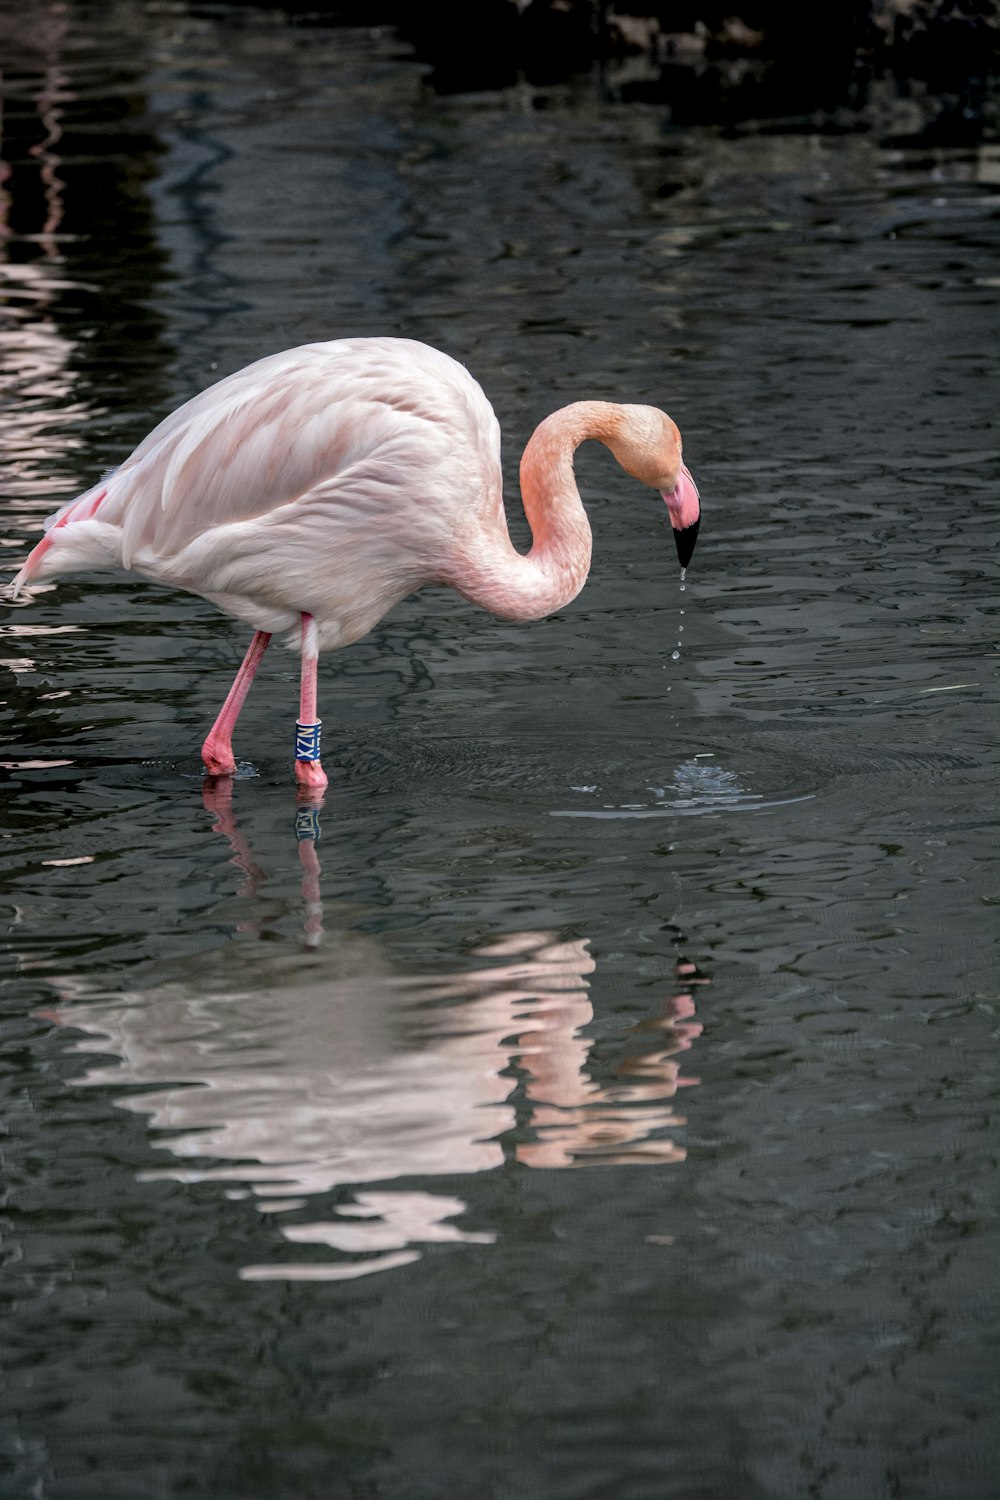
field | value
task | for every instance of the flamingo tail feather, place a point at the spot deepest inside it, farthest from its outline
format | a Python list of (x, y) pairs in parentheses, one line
[(84, 508)]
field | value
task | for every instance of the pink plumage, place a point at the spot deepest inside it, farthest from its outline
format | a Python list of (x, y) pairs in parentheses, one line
[(310, 492)]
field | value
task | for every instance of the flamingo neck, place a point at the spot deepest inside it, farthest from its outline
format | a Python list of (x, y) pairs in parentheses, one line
[(519, 587)]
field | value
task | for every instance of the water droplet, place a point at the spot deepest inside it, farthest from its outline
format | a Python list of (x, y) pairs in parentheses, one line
[(675, 656)]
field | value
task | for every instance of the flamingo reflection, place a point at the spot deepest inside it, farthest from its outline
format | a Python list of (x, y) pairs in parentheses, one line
[(332, 1070)]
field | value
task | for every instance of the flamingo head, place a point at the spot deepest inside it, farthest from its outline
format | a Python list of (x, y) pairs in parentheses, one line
[(647, 444)]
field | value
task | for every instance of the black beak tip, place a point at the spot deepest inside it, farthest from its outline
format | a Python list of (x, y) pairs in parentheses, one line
[(685, 542)]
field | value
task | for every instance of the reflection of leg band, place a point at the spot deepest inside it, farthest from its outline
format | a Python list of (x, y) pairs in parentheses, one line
[(307, 741), (307, 825)]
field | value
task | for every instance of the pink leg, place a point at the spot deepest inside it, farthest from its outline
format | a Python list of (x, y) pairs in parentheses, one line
[(308, 771), (217, 751), (217, 798)]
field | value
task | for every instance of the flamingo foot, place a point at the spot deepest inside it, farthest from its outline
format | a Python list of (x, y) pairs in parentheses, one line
[(217, 756), (310, 774)]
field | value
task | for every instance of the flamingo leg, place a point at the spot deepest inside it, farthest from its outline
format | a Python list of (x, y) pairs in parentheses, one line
[(308, 771), (217, 751)]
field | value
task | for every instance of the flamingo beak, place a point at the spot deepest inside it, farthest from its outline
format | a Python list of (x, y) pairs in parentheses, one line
[(684, 505), (685, 539)]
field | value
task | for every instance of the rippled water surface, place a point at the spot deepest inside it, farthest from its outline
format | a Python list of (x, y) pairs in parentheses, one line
[(601, 1107)]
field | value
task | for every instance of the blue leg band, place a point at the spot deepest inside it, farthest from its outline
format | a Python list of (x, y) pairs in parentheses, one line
[(307, 740)]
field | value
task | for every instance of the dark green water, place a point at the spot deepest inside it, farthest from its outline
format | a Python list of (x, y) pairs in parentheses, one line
[(602, 1108)]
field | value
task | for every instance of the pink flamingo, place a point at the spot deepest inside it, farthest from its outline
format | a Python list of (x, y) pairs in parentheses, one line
[(310, 492)]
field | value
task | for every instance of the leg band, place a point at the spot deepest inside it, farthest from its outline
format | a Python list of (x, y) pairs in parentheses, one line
[(307, 740)]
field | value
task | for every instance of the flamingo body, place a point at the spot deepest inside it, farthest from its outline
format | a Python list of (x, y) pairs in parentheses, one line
[(318, 487)]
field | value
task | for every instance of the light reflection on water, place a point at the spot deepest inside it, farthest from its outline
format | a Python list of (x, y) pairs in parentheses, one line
[(38, 388), (41, 429)]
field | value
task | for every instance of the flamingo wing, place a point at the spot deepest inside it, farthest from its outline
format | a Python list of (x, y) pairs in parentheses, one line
[(362, 425)]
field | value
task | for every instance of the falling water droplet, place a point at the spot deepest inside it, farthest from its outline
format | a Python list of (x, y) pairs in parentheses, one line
[(676, 654)]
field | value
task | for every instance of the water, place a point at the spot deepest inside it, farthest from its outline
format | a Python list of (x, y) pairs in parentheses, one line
[(601, 1107)]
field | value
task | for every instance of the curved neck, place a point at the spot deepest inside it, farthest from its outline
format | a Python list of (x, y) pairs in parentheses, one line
[(519, 587)]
